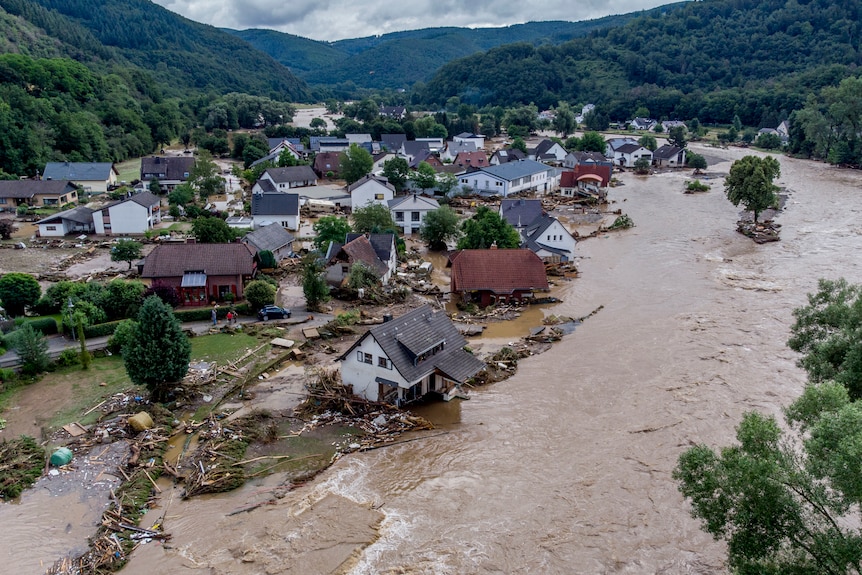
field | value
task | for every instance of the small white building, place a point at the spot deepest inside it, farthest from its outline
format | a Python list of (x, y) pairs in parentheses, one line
[(409, 212), (93, 177), (549, 239), (133, 215), (75, 221), (477, 139), (511, 178), (269, 207), (369, 190)]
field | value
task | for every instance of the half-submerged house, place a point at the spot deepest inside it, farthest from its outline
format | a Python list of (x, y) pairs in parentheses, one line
[(492, 276), (408, 357)]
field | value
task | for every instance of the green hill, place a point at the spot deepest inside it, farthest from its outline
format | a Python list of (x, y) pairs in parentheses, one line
[(712, 59), (400, 59), (184, 55)]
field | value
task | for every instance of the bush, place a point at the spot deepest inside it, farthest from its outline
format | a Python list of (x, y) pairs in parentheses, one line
[(696, 186), (45, 325), (200, 314), (68, 358), (123, 333), (166, 293), (7, 375), (259, 293), (244, 309), (101, 329)]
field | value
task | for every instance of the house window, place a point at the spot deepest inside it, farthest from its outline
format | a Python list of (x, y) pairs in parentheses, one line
[(384, 362), (414, 216), (345, 269), (367, 358), (378, 196), (399, 216), (51, 228), (363, 357), (185, 174)]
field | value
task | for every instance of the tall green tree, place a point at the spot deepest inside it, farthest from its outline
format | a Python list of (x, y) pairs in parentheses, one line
[(18, 291), (373, 218), (439, 227), (487, 228), (785, 502), (396, 170), (676, 137), (314, 286), (204, 175), (750, 183), (828, 334), (424, 177), (695, 161), (330, 229), (126, 250), (212, 230), (356, 163), (32, 348), (593, 142), (649, 142), (158, 355), (564, 119)]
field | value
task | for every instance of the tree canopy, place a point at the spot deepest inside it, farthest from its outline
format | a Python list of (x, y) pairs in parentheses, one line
[(330, 229), (439, 227), (356, 163), (212, 230), (126, 251), (750, 183), (487, 228), (158, 354), (373, 218), (396, 170), (18, 291)]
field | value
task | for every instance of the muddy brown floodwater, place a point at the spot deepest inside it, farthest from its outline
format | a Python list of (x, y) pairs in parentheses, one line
[(566, 467)]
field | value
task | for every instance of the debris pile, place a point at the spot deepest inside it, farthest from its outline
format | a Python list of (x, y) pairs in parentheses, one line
[(22, 463), (760, 232)]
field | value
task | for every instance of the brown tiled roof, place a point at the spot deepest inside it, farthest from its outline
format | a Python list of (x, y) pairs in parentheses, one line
[(361, 250), (474, 159), (569, 179), (499, 271), (173, 260)]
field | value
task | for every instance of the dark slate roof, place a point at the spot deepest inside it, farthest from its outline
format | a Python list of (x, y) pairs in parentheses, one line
[(26, 189), (272, 237), (383, 181), (166, 168), (393, 141), (275, 142), (666, 152), (79, 171), (498, 271), (145, 199), (520, 212), (270, 157), (543, 147), (267, 186), (174, 260), (423, 155), (274, 204), (413, 148), (383, 244), (81, 215), (292, 174), (509, 155), (408, 336), (413, 202), (628, 148)]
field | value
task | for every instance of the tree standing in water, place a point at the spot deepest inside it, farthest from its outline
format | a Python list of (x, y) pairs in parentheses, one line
[(750, 183)]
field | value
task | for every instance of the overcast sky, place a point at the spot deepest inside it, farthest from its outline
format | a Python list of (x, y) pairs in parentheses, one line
[(331, 20)]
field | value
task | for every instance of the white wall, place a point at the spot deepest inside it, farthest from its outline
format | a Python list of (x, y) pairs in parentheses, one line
[(129, 218), (371, 192), (362, 375)]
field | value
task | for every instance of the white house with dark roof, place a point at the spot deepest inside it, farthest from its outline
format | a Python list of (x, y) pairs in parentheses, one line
[(93, 177), (284, 179), (510, 178), (628, 154), (506, 155), (370, 189), (477, 139), (75, 221), (454, 148), (170, 171), (548, 151), (549, 239), (520, 212), (408, 357), (668, 156), (133, 215), (409, 211), (274, 207)]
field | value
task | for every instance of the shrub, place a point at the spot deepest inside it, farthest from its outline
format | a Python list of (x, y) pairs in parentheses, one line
[(7, 375), (259, 293), (166, 293), (696, 186), (102, 329), (45, 325), (200, 314), (123, 333), (68, 358)]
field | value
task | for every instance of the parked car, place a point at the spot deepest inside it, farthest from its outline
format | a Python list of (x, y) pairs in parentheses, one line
[(272, 311)]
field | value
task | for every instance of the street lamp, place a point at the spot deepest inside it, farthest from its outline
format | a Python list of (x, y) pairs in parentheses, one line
[(71, 307)]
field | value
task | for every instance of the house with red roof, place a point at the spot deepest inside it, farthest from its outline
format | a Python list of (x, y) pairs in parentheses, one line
[(587, 180), (200, 273), (488, 277)]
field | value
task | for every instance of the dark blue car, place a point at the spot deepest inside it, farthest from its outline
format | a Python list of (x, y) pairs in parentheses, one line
[(272, 311)]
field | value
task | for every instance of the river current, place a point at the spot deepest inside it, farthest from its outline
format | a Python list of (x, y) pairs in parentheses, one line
[(566, 467)]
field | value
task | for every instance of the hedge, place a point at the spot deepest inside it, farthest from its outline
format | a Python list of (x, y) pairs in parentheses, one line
[(201, 314), (47, 325), (102, 329)]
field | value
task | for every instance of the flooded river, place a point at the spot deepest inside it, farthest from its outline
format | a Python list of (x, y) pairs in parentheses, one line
[(566, 467)]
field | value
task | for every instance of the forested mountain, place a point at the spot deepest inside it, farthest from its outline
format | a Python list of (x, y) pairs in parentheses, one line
[(710, 59), (400, 59), (183, 55)]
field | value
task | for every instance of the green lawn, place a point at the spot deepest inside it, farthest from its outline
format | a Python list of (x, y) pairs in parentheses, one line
[(129, 170), (222, 348)]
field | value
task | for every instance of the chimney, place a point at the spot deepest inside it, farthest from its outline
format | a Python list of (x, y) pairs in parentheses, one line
[(493, 246), (191, 240)]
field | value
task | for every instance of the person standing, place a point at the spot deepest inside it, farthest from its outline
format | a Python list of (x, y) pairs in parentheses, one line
[(215, 317)]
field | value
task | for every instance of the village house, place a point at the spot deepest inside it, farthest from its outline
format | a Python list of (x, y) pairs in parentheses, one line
[(284, 179), (169, 171), (269, 206), (573, 159), (668, 156), (132, 215), (549, 239), (506, 155), (410, 149), (392, 142), (642, 124), (434, 144), (426, 156), (406, 358), (200, 273), (91, 177), (272, 238), (586, 180), (628, 154), (327, 164), (477, 139), (548, 152), (375, 251), (454, 148), (369, 190), (510, 178), (409, 211), (492, 276), (36, 193), (334, 196), (394, 112), (520, 212), (76, 221), (327, 144), (476, 159)]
